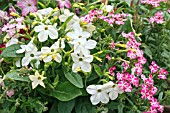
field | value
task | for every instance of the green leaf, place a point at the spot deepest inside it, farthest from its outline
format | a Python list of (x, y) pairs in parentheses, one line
[(85, 107), (75, 79), (54, 108), (66, 107), (66, 91), (66, 22), (11, 51), (160, 96), (56, 80), (164, 84), (15, 76), (98, 70)]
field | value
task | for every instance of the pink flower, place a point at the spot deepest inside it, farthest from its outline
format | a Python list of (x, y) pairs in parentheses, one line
[(108, 57), (27, 6), (65, 3), (10, 92), (131, 54), (111, 70), (162, 77), (125, 65)]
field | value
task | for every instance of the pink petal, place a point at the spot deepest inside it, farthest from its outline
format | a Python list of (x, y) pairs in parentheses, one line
[(22, 4), (25, 11), (67, 4), (33, 9), (61, 3)]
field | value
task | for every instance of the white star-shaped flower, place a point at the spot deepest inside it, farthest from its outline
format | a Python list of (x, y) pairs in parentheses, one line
[(49, 53), (45, 31), (114, 90), (99, 94), (37, 79), (82, 62)]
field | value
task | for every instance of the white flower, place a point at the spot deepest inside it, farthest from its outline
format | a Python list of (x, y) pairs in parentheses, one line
[(26, 48), (82, 62), (89, 28), (64, 16), (45, 11), (37, 79), (45, 31), (32, 55), (50, 53), (59, 44), (114, 90), (108, 8), (78, 33), (99, 94), (12, 41), (81, 45)]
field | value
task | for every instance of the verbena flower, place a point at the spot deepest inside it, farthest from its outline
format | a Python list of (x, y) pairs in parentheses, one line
[(27, 6), (37, 79)]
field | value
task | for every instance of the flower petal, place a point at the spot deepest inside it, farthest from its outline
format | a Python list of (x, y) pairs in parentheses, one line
[(57, 58), (39, 28), (43, 36), (113, 94), (53, 33), (95, 99), (26, 60), (85, 66), (48, 58), (91, 89), (91, 44)]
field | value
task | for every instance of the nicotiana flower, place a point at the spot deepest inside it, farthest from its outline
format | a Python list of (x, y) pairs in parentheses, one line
[(31, 53), (27, 6), (78, 34), (12, 41), (65, 3), (114, 90), (82, 62), (45, 31), (37, 79), (50, 53), (65, 16), (3, 15), (99, 94)]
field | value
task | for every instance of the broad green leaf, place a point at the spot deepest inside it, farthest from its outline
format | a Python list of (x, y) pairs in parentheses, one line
[(15, 76), (11, 51), (54, 108), (85, 107), (98, 70), (66, 107), (66, 91), (75, 79), (164, 84)]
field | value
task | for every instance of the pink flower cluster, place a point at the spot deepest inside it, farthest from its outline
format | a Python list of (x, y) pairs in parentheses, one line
[(148, 91), (154, 69), (13, 26), (154, 3), (157, 18), (111, 18), (111, 70), (126, 80)]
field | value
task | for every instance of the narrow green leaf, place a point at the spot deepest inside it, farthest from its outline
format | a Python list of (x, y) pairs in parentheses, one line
[(11, 51), (66, 91), (75, 79), (98, 70), (15, 76), (66, 22), (66, 107), (120, 108)]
